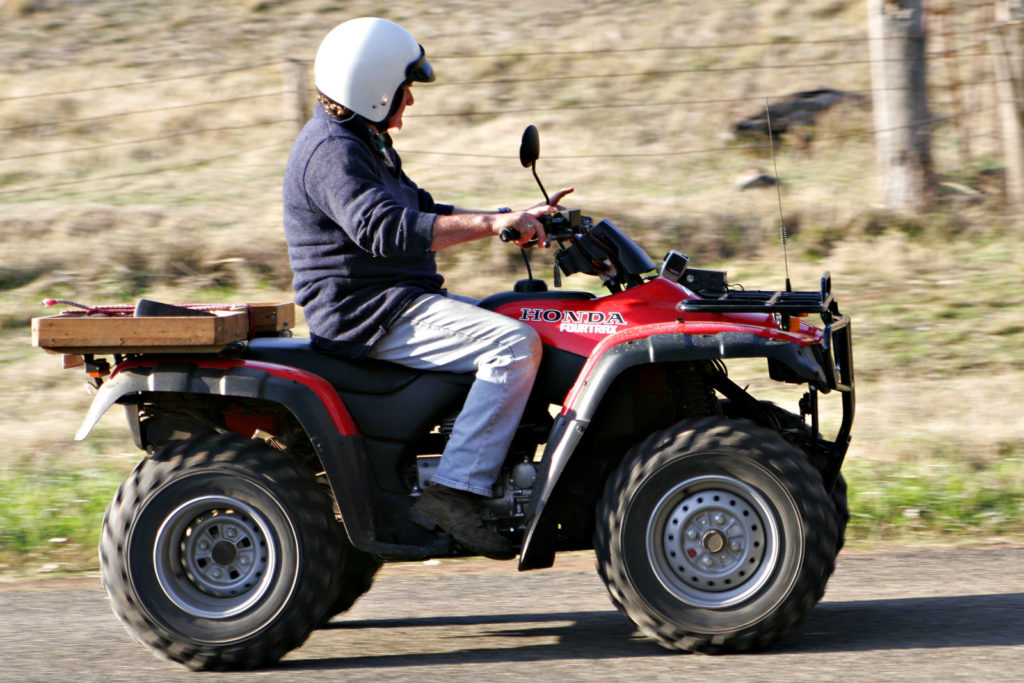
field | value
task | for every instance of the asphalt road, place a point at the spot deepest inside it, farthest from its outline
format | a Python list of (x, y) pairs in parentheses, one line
[(928, 615)]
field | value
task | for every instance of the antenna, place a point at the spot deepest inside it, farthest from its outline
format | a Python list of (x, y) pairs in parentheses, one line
[(778, 191)]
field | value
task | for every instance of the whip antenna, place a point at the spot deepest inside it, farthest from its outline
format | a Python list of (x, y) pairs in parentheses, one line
[(778, 192)]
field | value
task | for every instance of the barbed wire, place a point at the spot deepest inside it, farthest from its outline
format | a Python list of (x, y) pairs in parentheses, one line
[(468, 155), (707, 150), (199, 131), (667, 103), (962, 52), (674, 72), (135, 112), (147, 172), (494, 112), (454, 114), (783, 42), (706, 47), (941, 54), (137, 84), (170, 136)]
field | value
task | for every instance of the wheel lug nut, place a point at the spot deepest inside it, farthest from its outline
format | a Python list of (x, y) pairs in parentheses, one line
[(735, 546), (691, 535), (718, 518), (707, 562)]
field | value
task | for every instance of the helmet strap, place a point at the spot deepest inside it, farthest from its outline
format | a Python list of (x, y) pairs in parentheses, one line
[(396, 103)]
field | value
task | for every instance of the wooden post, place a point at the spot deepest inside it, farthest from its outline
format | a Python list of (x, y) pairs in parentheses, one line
[(1007, 41), (297, 91), (900, 94)]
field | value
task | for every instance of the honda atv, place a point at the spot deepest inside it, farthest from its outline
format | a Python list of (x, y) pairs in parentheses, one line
[(277, 479)]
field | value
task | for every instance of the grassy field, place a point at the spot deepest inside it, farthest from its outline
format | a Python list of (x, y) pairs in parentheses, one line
[(142, 146)]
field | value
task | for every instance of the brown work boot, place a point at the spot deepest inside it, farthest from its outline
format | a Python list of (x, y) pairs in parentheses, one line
[(456, 512)]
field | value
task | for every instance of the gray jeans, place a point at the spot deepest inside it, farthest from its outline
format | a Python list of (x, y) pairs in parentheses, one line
[(447, 333)]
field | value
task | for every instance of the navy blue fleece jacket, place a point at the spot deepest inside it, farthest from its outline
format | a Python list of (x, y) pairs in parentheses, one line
[(358, 232)]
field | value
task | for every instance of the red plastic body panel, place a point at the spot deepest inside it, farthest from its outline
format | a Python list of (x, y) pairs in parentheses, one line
[(322, 388), (579, 326), (589, 327)]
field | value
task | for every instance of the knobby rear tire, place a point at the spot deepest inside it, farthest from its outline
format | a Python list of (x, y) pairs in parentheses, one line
[(218, 552)]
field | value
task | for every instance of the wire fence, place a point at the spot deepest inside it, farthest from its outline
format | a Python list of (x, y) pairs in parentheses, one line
[(958, 64)]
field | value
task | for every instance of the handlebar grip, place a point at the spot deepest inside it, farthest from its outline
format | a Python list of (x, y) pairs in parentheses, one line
[(511, 234)]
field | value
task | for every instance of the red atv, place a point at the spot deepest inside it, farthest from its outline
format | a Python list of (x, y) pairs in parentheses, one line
[(278, 479)]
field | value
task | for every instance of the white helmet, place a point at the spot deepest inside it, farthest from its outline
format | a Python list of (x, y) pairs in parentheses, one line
[(361, 64)]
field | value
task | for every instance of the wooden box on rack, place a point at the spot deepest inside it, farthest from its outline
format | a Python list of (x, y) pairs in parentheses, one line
[(78, 333)]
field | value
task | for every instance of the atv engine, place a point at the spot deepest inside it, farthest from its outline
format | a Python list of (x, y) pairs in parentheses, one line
[(508, 508)]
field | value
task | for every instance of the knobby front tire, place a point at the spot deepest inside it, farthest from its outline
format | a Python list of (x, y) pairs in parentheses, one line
[(715, 535)]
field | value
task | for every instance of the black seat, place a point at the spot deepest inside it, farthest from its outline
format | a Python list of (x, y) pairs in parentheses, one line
[(386, 400), (364, 376)]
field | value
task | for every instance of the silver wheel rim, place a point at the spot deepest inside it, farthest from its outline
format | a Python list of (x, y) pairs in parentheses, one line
[(215, 557), (713, 541)]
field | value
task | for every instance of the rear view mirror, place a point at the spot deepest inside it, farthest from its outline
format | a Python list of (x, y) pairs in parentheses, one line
[(529, 149)]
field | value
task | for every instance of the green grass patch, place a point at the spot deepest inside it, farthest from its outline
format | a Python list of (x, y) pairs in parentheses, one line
[(50, 516), (937, 498)]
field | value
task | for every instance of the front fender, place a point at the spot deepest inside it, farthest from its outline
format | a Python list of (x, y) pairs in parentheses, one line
[(612, 358)]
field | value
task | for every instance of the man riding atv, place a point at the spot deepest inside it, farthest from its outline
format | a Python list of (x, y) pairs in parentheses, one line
[(361, 240), (281, 472)]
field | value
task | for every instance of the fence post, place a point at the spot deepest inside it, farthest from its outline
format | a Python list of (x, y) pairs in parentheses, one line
[(1007, 42), (297, 91), (900, 96)]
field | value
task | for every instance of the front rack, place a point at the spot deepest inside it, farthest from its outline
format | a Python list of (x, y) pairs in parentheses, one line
[(765, 301), (836, 337), (783, 303)]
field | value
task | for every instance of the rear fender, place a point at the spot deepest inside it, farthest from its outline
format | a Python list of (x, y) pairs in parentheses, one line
[(613, 357), (311, 399)]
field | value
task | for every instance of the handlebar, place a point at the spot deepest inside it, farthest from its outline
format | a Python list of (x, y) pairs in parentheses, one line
[(558, 225)]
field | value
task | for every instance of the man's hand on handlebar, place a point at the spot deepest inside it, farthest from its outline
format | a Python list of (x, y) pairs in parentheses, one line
[(523, 227)]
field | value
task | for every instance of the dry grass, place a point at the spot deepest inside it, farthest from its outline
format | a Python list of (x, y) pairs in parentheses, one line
[(642, 133)]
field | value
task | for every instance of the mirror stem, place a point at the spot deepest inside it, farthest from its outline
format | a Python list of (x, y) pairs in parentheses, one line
[(533, 167)]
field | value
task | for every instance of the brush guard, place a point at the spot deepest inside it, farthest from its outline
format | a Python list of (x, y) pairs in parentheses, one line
[(836, 348)]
